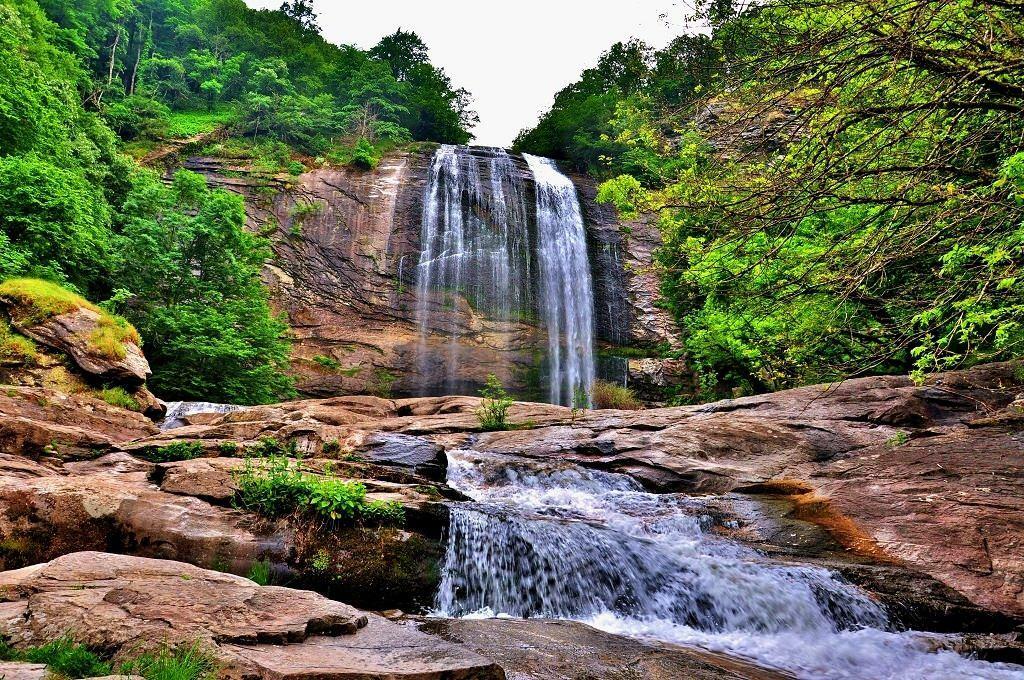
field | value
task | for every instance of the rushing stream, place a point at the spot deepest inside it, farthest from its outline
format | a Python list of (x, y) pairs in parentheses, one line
[(556, 541)]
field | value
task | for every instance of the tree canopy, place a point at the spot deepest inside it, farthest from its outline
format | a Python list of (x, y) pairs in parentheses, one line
[(839, 185), (79, 80)]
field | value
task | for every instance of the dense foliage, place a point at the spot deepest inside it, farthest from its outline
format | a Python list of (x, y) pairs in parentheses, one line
[(840, 185), (80, 80)]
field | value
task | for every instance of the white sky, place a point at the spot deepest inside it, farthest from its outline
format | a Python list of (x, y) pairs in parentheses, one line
[(513, 56)]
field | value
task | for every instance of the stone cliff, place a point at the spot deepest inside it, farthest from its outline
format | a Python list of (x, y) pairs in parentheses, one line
[(346, 246)]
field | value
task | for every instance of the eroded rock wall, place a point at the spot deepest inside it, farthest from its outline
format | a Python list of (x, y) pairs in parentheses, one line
[(346, 246)]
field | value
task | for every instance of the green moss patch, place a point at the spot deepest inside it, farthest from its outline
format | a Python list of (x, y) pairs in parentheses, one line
[(36, 300)]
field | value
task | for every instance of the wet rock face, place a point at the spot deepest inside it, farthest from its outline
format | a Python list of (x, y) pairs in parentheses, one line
[(346, 247)]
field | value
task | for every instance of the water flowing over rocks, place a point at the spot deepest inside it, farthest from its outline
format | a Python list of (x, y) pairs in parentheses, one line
[(840, 513)]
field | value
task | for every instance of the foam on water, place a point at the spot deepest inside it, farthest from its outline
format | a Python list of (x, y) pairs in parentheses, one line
[(558, 541)]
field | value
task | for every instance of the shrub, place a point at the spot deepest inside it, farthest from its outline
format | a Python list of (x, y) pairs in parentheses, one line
[(119, 397), (228, 449), (183, 663), (609, 395), (277, 487), (63, 657), (493, 411), (384, 513), (331, 448), (174, 451), (296, 168)]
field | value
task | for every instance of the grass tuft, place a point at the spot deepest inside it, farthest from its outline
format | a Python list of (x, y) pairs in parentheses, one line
[(119, 397), (63, 656), (609, 395), (183, 663)]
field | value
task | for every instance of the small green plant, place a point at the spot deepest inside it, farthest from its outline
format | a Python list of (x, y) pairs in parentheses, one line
[(269, 447), (384, 513), (331, 447), (321, 561), (228, 449), (610, 395), (16, 349), (183, 663), (493, 411), (175, 451), (898, 439), (326, 362), (260, 573), (296, 168), (382, 383), (580, 402), (62, 656), (277, 487), (119, 397)]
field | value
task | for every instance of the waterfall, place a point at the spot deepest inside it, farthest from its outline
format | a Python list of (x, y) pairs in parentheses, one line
[(480, 245), (567, 292), (543, 539)]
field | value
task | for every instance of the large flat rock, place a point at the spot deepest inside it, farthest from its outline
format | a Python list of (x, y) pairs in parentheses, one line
[(381, 649), (565, 650), (129, 604)]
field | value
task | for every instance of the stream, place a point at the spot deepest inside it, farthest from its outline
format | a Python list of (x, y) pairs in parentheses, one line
[(543, 540)]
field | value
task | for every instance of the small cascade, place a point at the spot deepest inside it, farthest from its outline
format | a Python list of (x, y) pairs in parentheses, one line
[(567, 292), (178, 410), (556, 541), (483, 246)]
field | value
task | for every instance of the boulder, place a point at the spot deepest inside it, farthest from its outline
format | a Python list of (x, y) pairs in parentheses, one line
[(72, 332), (126, 605)]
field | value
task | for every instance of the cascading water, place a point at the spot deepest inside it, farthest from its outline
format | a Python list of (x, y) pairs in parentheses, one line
[(479, 244), (549, 540), (178, 410), (567, 292)]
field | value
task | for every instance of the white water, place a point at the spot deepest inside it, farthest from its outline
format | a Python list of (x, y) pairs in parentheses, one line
[(567, 291), (177, 410), (558, 541), (476, 246)]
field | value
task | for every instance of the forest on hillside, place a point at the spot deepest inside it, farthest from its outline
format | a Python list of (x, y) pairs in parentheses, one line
[(89, 87), (839, 185)]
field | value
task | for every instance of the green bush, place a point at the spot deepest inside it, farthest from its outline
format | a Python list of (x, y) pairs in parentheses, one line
[(277, 487), (228, 449), (331, 447), (174, 451), (493, 411), (63, 656), (610, 395), (119, 397)]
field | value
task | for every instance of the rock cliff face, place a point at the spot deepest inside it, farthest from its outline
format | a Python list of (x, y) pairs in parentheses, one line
[(346, 246)]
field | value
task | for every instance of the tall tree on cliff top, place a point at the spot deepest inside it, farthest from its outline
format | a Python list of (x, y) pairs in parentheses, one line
[(302, 12)]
